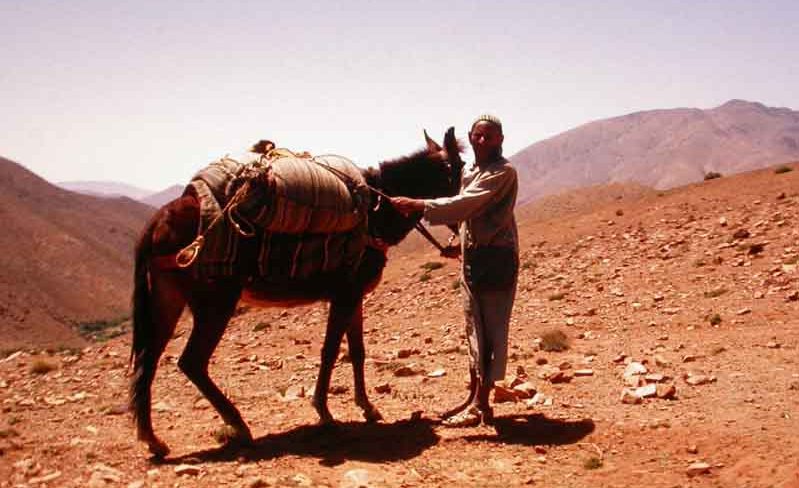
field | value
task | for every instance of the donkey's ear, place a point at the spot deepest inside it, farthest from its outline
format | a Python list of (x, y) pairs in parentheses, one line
[(432, 146), (454, 148)]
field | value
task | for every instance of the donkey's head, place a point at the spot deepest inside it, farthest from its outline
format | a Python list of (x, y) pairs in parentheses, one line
[(432, 172)]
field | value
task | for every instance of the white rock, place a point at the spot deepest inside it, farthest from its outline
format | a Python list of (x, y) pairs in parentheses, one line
[(646, 391), (355, 478), (699, 379), (698, 468), (634, 368), (438, 373), (187, 470)]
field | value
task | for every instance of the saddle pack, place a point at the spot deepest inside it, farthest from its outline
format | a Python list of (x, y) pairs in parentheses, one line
[(308, 213)]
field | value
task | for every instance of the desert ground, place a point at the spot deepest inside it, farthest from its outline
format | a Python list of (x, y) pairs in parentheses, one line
[(677, 316)]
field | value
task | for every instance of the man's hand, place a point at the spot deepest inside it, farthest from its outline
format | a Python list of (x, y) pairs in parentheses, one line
[(406, 206)]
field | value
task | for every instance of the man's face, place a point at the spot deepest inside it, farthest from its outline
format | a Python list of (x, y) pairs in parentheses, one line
[(486, 140)]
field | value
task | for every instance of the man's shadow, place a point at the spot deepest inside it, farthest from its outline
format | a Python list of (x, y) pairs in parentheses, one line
[(534, 430), (333, 445)]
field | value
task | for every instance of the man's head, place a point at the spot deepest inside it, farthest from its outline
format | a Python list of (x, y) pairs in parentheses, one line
[(486, 138)]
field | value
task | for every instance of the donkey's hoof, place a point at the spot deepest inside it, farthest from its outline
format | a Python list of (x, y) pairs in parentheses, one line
[(227, 435), (372, 415), (158, 448)]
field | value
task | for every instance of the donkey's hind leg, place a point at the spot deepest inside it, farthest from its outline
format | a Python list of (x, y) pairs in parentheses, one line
[(358, 357), (212, 311)]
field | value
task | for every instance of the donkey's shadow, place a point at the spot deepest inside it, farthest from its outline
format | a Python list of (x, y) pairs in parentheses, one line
[(333, 445)]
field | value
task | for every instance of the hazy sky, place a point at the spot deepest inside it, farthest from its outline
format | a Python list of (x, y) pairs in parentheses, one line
[(147, 92)]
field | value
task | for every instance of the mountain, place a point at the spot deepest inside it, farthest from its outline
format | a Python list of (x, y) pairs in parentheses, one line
[(660, 148), (65, 258), (106, 189), (164, 196)]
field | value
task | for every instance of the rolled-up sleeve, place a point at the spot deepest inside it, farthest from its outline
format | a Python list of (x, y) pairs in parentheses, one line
[(475, 198)]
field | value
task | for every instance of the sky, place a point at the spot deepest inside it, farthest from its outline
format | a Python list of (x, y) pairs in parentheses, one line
[(148, 92)]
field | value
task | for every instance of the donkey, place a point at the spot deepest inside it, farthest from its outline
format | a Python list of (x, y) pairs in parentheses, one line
[(162, 290)]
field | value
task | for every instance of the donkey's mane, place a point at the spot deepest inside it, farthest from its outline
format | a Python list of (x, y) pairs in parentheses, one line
[(398, 173)]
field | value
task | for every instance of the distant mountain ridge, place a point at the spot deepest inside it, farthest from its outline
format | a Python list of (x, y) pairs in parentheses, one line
[(660, 148), (105, 189), (65, 258), (110, 189)]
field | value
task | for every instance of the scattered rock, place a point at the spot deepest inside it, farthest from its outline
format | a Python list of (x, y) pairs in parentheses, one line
[(294, 392), (505, 395), (383, 388), (355, 478), (645, 391), (438, 373), (629, 397), (666, 392), (525, 390), (405, 371), (583, 372), (698, 468), (187, 470), (635, 368), (699, 379)]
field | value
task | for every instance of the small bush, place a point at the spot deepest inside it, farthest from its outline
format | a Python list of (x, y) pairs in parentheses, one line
[(592, 463), (456, 284), (783, 169), (556, 296), (712, 175), (260, 326), (714, 319), (554, 341), (425, 277), (40, 366)]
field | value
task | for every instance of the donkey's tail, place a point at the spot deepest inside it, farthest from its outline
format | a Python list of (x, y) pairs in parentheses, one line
[(143, 356)]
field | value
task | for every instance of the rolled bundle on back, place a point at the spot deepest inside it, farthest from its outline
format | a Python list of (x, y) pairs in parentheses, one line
[(296, 195)]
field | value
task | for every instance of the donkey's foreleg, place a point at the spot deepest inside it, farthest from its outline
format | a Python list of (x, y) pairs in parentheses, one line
[(358, 357), (338, 321), (211, 313)]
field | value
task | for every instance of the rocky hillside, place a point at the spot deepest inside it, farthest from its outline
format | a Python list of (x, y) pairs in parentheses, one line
[(660, 148), (653, 343), (65, 259)]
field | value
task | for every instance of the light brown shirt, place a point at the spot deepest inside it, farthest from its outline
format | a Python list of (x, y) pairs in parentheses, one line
[(483, 208)]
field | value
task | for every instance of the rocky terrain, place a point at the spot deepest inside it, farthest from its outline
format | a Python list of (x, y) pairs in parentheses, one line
[(654, 343)]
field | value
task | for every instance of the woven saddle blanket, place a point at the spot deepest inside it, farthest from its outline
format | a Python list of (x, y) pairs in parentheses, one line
[(307, 213)]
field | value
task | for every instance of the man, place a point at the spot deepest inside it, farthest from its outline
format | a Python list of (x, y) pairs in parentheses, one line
[(489, 244)]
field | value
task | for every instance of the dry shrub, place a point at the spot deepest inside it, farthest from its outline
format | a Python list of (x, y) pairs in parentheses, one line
[(554, 341), (41, 366)]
